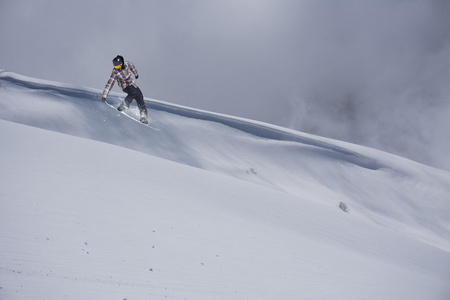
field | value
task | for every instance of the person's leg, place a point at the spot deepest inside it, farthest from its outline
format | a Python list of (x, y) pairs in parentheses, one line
[(140, 102), (131, 94)]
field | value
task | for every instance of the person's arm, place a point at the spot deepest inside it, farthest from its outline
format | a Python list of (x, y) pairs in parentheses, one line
[(134, 70), (109, 85)]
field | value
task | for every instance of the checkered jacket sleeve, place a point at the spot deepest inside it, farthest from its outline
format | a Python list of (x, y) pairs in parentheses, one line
[(133, 69), (109, 84)]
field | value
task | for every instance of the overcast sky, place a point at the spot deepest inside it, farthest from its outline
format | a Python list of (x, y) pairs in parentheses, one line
[(372, 72)]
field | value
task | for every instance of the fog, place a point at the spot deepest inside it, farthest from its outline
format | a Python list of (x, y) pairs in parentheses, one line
[(374, 73)]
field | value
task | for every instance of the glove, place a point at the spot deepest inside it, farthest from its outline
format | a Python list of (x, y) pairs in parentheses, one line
[(137, 76)]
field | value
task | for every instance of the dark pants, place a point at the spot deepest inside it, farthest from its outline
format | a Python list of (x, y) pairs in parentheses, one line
[(135, 93)]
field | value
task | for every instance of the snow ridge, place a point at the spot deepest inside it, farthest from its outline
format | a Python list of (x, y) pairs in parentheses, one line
[(259, 129)]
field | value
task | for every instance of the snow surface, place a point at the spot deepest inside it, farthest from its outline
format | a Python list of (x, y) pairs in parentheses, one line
[(96, 206)]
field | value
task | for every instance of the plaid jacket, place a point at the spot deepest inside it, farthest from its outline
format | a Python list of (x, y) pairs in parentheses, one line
[(123, 77)]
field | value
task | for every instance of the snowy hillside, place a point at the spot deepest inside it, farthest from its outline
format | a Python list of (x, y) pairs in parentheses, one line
[(96, 206)]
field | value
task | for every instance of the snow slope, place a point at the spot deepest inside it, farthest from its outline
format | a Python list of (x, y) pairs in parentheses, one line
[(96, 206)]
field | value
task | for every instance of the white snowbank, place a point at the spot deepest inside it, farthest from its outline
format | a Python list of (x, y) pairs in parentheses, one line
[(256, 218)]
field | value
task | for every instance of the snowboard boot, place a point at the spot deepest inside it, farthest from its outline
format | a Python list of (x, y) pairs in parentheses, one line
[(144, 118), (122, 107)]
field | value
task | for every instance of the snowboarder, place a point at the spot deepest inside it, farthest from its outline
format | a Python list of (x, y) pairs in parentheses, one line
[(122, 74)]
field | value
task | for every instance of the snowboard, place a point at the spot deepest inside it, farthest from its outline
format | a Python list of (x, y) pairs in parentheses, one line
[(128, 116)]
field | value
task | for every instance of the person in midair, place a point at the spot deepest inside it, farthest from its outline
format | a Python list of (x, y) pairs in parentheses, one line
[(123, 73)]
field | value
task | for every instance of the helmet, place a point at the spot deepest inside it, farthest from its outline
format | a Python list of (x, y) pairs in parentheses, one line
[(118, 60)]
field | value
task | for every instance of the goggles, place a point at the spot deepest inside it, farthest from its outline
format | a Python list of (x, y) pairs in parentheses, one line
[(118, 66)]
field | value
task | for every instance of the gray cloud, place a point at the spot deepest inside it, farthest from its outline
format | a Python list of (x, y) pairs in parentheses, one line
[(370, 72)]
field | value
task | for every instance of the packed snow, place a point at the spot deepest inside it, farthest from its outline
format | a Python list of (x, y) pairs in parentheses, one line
[(94, 205)]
